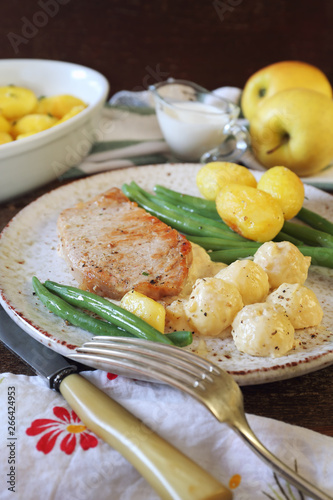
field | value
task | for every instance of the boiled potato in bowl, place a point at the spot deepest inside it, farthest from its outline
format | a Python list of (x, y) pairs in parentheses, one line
[(39, 158), (30, 115)]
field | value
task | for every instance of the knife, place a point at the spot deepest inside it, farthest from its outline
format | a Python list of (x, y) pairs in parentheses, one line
[(170, 473)]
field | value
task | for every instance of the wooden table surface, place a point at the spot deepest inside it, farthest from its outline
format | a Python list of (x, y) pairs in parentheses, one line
[(305, 401), (135, 43)]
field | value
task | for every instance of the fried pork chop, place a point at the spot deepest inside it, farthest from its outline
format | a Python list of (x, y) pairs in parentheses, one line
[(112, 246)]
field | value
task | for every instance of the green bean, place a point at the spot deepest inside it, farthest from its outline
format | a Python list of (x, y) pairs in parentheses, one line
[(187, 209), (180, 338), (308, 235), (230, 255), (314, 220), (208, 209), (220, 243), (192, 216), (304, 237), (281, 236), (193, 203), (112, 313), (76, 317), (320, 256), (174, 218), (195, 217), (73, 315)]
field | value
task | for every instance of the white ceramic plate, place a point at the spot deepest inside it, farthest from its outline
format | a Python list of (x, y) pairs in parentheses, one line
[(28, 246)]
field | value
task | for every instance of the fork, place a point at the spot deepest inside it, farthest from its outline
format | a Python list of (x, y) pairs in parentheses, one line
[(188, 372)]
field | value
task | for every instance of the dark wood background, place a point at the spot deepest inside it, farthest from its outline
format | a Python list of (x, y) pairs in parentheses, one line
[(137, 42)]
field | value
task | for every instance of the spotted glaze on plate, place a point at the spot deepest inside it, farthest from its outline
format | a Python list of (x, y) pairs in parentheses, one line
[(28, 247)]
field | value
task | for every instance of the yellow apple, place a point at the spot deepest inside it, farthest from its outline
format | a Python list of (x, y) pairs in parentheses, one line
[(281, 76), (294, 128)]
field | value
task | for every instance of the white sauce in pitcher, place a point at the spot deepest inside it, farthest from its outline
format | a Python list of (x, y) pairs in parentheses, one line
[(192, 128)]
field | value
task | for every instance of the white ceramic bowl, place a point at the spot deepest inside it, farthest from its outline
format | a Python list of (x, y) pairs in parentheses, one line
[(36, 160)]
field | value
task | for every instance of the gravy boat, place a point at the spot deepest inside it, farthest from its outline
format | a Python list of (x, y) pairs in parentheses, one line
[(197, 124)]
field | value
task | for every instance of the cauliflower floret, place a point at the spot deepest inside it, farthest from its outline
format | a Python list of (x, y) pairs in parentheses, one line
[(263, 330), (250, 279), (283, 263), (212, 306), (300, 304)]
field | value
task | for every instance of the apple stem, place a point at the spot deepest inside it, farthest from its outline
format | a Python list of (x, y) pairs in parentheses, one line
[(284, 140)]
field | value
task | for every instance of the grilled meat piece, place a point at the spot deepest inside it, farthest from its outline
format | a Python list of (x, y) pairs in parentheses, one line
[(112, 246)]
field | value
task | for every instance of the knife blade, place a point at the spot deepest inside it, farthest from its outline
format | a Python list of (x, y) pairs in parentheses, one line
[(45, 362), (170, 472)]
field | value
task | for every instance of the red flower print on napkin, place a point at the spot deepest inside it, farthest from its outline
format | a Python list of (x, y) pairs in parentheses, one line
[(68, 426)]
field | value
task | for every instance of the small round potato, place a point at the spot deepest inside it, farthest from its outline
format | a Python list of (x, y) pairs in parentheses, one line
[(22, 115), (73, 112), (5, 126), (202, 267), (145, 308), (212, 306), (250, 279), (283, 262), (32, 124), (254, 214), (213, 176), (263, 330), (58, 105), (286, 187), (16, 101), (300, 303), (5, 138), (23, 136)]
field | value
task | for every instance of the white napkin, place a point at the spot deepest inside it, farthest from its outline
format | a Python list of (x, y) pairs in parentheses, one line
[(53, 457), (129, 134)]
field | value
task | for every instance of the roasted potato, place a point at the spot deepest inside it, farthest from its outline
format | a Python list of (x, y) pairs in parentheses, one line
[(215, 175), (286, 187), (145, 308), (254, 214)]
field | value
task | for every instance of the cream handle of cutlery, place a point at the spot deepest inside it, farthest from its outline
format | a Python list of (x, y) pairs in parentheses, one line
[(172, 475)]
